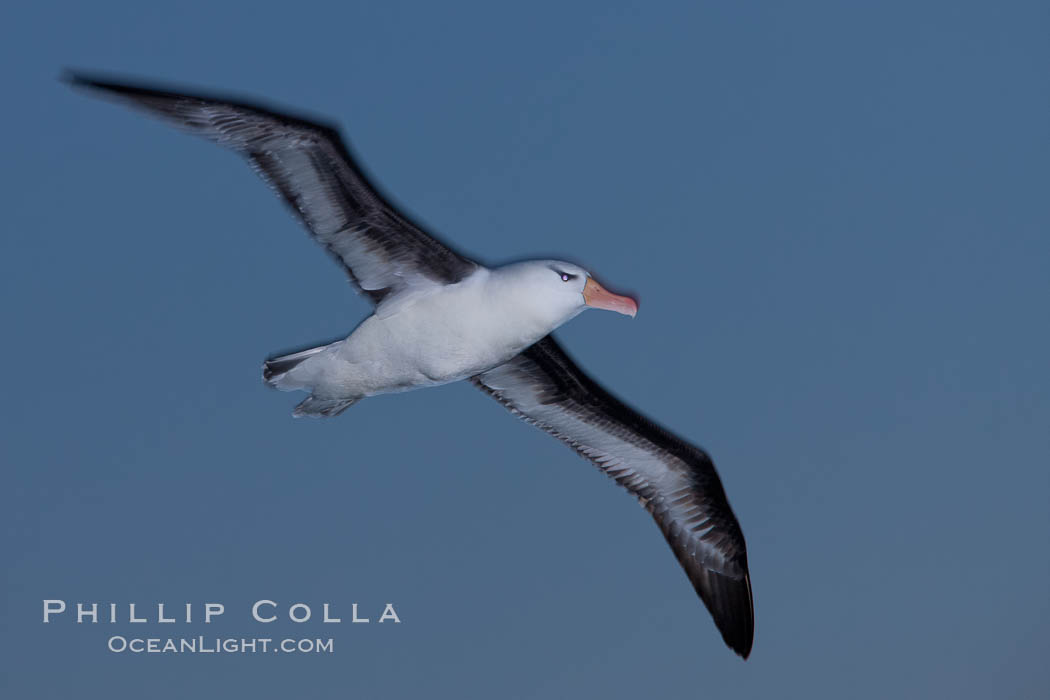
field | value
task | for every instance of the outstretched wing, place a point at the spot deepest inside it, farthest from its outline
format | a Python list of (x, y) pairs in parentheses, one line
[(675, 481), (311, 168)]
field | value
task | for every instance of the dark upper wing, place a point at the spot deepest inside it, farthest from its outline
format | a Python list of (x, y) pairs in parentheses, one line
[(311, 168), (674, 480)]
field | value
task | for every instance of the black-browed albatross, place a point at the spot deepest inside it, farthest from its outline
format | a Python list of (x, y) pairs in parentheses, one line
[(441, 317)]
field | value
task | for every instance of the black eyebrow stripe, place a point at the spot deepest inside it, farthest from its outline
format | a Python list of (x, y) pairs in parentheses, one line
[(563, 272)]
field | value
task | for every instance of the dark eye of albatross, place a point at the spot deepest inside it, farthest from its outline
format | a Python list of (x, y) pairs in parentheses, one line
[(565, 276)]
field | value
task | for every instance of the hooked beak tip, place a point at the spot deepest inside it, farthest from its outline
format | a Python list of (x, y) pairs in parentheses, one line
[(598, 297)]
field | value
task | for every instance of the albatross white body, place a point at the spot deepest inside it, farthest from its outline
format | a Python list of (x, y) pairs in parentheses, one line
[(439, 334), (441, 317)]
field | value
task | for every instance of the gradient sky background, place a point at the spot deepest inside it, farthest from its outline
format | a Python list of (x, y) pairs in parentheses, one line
[(836, 216)]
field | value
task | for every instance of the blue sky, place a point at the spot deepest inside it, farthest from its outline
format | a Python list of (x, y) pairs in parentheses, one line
[(836, 218)]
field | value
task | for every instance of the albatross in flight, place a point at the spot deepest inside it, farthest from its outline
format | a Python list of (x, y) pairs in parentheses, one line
[(441, 317)]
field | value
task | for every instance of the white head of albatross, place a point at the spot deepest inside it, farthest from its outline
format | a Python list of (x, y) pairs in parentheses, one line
[(554, 291)]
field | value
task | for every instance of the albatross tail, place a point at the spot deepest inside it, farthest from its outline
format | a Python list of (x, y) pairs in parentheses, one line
[(292, 372), (276, 369)]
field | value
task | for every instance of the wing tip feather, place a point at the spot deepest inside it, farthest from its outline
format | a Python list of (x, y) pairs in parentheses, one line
[(731, 605), (82, 80)]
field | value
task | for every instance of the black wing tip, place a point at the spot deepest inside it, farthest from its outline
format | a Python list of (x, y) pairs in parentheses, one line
[(740, 643), (141, 90), (730, 603), (733, 610), (77, 79), (148, 95)]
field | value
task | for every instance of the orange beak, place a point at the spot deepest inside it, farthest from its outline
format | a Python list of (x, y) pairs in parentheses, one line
[(599, 297)]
